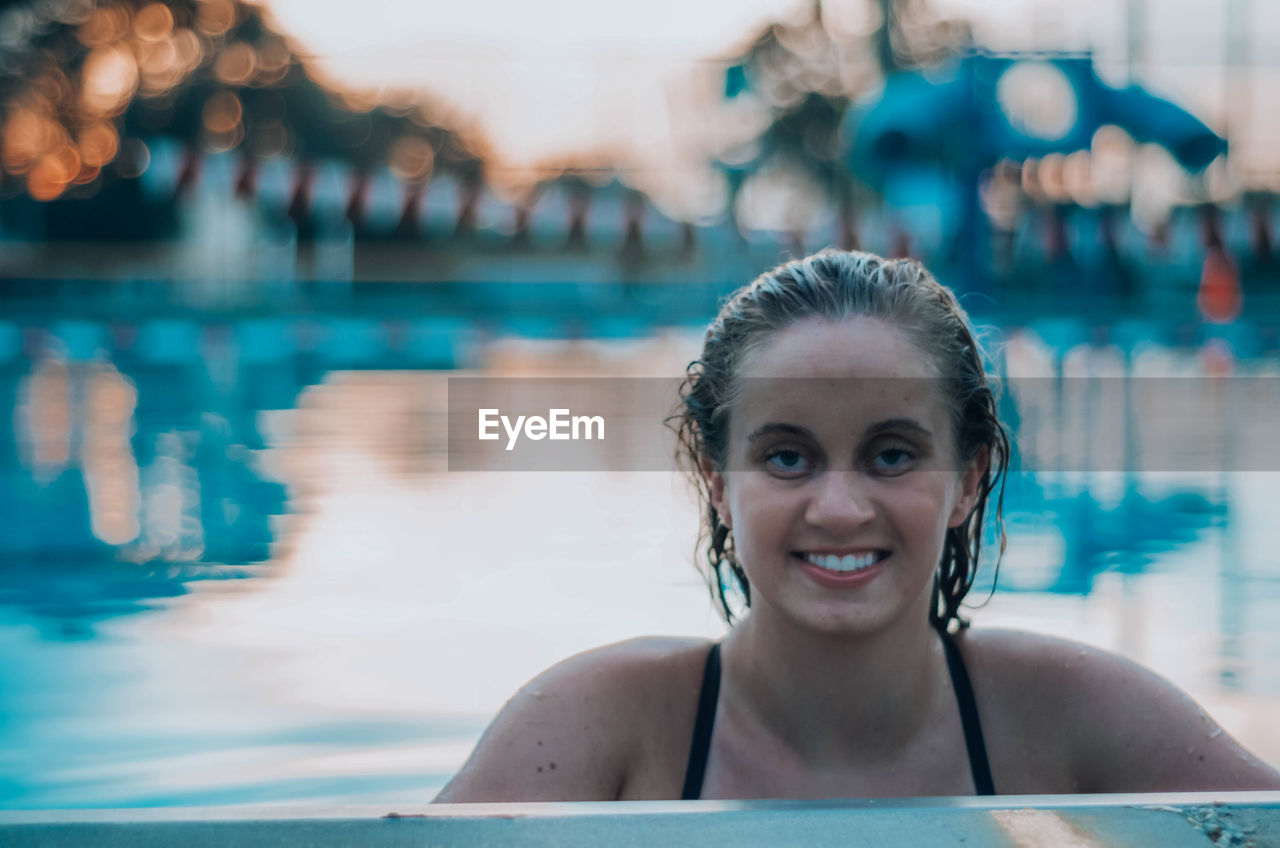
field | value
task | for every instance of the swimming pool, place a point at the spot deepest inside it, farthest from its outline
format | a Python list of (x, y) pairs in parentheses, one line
[(237, 569)]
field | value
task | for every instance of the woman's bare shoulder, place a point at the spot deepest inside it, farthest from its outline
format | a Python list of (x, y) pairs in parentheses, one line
[(575, 730), (1023, 653), (1038, 675), (1119, 726), (1039, 671)]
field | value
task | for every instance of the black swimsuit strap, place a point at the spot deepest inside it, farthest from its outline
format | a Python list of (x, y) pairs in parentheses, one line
[(705, 721), (702, 727), (973, 741)]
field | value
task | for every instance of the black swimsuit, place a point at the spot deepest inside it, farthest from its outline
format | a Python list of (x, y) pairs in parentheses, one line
[(978, 764)]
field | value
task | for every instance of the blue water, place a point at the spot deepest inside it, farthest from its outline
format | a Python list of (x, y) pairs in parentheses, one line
[(235, 570)]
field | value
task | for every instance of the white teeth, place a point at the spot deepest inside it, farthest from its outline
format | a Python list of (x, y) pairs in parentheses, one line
[(849, 562)]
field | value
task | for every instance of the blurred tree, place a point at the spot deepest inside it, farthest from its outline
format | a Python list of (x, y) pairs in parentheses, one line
[(84, 82), (805, 74)]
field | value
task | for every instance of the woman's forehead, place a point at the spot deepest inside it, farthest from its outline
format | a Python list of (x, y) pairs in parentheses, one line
[(841, 377), (859, 348), (843, 405)]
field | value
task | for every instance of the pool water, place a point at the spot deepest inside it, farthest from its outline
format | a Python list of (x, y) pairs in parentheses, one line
[(251, 578)]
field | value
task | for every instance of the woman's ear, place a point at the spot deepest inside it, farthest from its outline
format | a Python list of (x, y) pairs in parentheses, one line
[(970, 487), (715, 481)]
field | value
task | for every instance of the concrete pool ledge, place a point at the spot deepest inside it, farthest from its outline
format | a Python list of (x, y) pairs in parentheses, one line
[(1082, 821)]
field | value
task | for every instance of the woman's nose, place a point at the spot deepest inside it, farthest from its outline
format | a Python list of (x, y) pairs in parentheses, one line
[(841, 500)]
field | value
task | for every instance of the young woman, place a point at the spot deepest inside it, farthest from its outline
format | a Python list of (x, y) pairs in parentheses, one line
[(844, 434)]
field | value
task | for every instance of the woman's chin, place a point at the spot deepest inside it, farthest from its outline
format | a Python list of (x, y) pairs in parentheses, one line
[(853, 620)]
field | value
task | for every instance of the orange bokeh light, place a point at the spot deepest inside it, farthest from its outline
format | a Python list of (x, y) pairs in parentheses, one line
[(50, 84), (157, 57), (235, 63), (189, 47), (110, 78), (161, 65), (88, 173), (27, 134), (215, 16), (53, 172), (274, 59), (105, 26), (222, 112), (153, 22), (68, 159), (411, 157), (98, 145)]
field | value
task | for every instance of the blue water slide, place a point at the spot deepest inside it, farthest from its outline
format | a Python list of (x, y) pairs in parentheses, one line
[(909, 125), (1151, 119), (963, 116)]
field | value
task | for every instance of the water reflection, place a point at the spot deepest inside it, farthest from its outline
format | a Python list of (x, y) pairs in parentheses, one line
[(235, 569), (130, 477)]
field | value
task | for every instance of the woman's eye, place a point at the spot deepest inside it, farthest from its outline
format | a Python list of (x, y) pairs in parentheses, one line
[(788, 461), (893, 460)]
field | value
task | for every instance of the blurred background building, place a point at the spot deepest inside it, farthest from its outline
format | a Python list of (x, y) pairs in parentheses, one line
[(243, 246)]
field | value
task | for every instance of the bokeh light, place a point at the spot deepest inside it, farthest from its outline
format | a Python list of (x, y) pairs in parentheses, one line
[(222, 112), (133, 159), (106, 25), (235, 64), (411, 158), (215, 17), (110, 78), (153, 22)]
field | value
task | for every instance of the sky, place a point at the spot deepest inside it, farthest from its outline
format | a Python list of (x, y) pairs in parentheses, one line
[(574, 77)]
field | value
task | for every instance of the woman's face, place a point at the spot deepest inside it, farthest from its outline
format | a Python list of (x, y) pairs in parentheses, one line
[(841, 475)]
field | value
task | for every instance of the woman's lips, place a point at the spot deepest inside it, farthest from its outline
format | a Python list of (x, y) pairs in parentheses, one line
[(842, 572)]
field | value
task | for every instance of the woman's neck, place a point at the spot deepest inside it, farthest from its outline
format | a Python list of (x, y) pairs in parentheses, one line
[(830, 697)]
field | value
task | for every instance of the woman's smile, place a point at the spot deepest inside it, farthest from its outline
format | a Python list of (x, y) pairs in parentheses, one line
[(845, 562), (846, 572)]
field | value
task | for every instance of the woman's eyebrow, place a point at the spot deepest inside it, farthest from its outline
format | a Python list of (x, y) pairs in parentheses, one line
[(774, 428), (779, 427), (900, 424)]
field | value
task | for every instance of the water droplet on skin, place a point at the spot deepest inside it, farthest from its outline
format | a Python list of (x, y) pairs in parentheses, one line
[(537, 694), (1191, 749), (1217, 731)]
